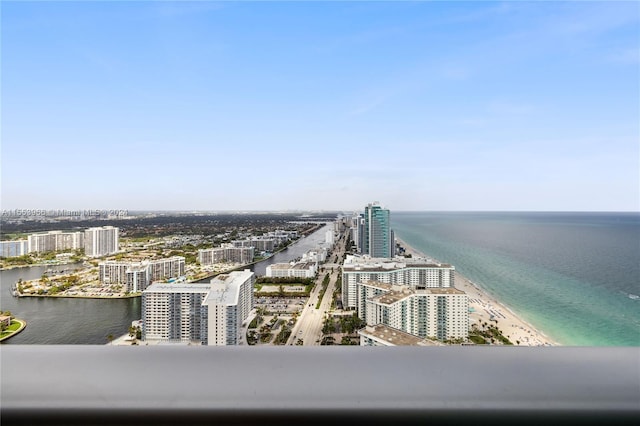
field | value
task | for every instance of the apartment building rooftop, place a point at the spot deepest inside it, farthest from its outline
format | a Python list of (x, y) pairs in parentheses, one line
[(303, 265), (395, 336), (285, 266), (224, 289), (440, 290), (398, 293), (178, 288), (280, 266), (355, 263), (378, 284)]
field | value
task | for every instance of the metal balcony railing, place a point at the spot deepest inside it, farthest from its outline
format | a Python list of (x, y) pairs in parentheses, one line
[(141, 385)]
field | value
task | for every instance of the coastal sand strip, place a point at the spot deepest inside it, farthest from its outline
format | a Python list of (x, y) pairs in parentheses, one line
[(486, 308)]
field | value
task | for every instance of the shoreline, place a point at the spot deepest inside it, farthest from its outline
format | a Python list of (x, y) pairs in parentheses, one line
[(485, 308), (73, 296), (23, 325), (60, 263)]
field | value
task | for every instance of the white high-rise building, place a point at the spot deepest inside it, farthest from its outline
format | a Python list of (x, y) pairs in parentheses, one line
[(55, 241), (136, 276), (101, 241), (439, 313), (209, 314), (14, 248), (175, 312), (171, 267), (226, 253), (263, 243), (113, 272), (329, 237), (292, 270), (317, 255), (39, 243), (416, 273), (230, 300)]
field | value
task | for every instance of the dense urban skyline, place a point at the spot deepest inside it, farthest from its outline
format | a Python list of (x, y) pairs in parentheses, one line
[(321, 106)]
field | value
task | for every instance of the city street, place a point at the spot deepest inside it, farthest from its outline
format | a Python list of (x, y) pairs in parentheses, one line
[(308, 328)]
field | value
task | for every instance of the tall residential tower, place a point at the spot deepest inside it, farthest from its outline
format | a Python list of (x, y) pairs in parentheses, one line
[(101, 241), (377, 238), (208, 314)]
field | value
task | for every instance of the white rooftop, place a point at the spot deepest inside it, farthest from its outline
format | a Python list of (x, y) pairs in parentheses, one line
[(222, 289), (225, 288), (178, 288)]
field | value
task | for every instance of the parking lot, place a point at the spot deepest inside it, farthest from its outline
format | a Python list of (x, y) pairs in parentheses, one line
[(280, 305)]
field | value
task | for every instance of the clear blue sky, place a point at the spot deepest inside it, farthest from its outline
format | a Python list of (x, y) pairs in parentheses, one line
[(321, 105)]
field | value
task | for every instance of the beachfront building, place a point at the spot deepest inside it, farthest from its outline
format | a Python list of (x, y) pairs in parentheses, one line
[(54, 241), (226, 253), (101, 241), (383, 335), (356, 229), (14, 248), (419, 273), (292, 270), (367, 290), (201, 313), (377, 238), (436, 313)]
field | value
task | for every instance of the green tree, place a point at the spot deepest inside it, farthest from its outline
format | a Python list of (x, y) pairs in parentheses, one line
[(329, 326)]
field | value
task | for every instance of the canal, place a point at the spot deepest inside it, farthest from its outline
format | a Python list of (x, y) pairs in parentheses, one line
[(90, 321)]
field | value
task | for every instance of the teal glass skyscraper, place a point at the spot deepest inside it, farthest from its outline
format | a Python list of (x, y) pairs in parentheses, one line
[(378, 240)]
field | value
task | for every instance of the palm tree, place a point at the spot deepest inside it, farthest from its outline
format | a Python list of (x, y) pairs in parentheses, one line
[(110, 338)]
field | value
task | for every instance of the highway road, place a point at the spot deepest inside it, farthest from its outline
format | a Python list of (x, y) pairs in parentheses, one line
[(308, 328)]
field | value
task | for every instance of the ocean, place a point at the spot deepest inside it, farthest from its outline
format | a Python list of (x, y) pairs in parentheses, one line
[(574, 276)]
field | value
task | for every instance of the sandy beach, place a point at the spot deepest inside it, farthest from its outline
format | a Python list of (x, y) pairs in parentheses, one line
[(487, 309)]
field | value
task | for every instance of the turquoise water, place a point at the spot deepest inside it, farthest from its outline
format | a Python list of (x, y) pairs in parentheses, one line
[(574, 276)]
